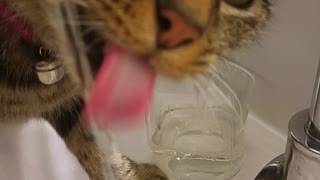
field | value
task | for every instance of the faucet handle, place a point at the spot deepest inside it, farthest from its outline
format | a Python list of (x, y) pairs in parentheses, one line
[(273, 170)]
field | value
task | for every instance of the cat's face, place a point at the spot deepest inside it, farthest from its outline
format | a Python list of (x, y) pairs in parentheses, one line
[(181, 37)]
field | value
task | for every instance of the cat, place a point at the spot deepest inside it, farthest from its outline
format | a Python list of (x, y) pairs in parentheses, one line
[(181, 37)]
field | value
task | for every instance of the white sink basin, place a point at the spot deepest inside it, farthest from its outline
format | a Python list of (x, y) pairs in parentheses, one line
[(264, 145), (34, 152)]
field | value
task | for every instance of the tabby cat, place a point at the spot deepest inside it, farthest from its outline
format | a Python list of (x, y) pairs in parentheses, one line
[(181, 37)]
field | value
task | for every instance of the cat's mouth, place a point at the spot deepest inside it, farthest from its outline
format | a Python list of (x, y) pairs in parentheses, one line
[(115, 70), (123, 81), (173, 39)]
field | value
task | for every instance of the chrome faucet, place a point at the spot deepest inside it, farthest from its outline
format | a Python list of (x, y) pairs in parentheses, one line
[(301, 161)]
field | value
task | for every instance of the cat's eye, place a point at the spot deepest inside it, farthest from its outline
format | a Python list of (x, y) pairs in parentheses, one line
[(240, 3)]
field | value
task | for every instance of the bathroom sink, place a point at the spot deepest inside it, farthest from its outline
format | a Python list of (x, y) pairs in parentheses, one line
[(35, 152), (264, 144)]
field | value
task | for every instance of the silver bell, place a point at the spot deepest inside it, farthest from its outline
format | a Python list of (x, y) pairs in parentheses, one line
[(49, 72)]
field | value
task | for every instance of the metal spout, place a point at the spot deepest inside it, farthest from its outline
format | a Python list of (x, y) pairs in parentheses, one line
[(302, 157), (313, 127)]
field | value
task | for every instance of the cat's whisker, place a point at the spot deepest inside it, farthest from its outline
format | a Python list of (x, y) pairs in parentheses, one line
[(212, 68), (199, 87)]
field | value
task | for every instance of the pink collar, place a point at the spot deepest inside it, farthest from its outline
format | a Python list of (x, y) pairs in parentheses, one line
[(16, 23)]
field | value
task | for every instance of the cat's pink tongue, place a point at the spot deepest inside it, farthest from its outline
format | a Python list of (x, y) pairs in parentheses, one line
[(122, 90)]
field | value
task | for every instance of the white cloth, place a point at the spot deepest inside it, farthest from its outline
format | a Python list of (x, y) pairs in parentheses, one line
[(35, 152)]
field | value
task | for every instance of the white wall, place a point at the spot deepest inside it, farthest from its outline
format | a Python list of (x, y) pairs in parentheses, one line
[(286, 58)]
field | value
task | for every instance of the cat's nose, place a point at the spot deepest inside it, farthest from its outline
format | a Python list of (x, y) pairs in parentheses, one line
[(175, 30)]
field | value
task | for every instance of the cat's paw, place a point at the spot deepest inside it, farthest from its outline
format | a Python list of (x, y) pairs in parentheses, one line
[(151, 172), (126, 169)]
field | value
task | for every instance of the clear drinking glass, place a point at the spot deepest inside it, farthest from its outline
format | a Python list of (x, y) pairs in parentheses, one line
[(196, 127)]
